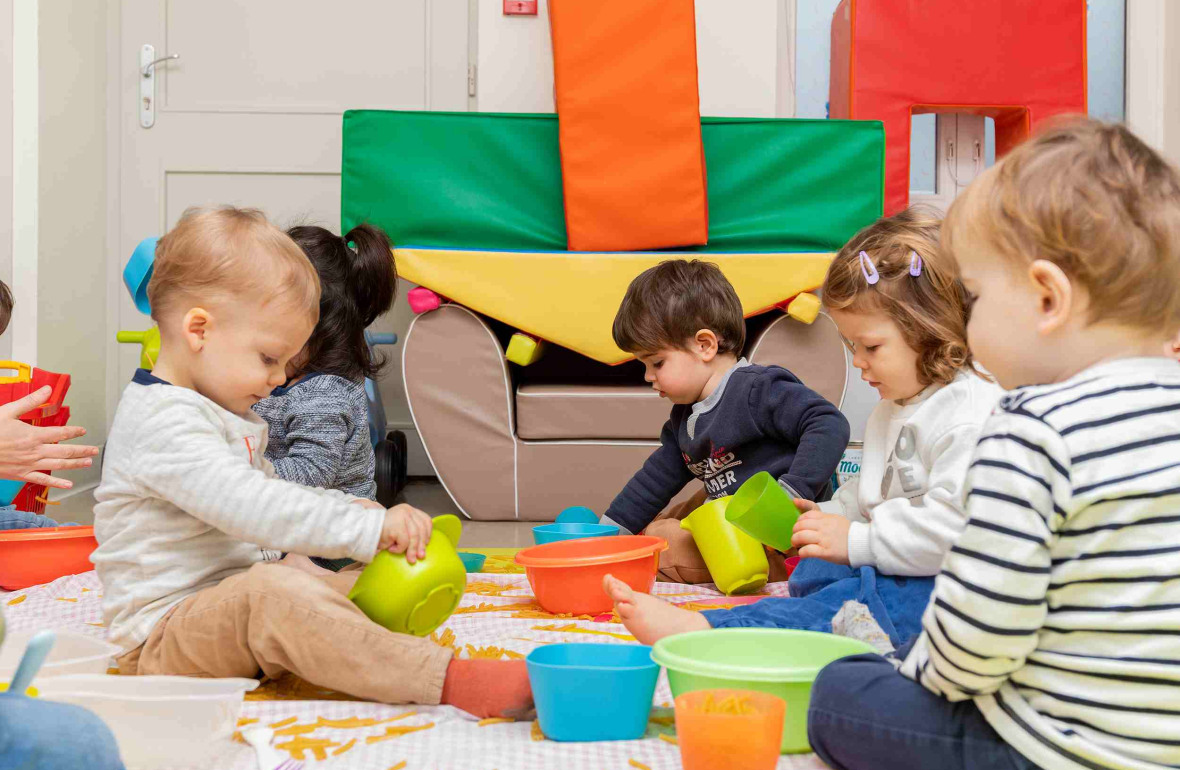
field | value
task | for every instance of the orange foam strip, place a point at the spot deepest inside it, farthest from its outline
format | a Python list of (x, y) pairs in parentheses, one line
[(632, 159)]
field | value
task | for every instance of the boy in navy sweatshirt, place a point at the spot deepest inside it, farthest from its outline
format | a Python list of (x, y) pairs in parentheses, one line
[(730, 419)]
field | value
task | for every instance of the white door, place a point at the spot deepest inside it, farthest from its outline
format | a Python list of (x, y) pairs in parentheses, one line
[(250, 114)]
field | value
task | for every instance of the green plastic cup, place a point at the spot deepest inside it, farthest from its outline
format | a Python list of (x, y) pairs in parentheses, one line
[(781, 662), (764, 510)]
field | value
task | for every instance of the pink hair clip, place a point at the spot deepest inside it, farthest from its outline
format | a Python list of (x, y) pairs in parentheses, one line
[(915, 264), (869, 269)]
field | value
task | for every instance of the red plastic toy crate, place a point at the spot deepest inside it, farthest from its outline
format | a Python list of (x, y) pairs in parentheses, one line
[(53, 413)]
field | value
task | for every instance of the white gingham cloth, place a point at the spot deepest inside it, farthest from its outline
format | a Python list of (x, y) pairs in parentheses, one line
[(456, 741)]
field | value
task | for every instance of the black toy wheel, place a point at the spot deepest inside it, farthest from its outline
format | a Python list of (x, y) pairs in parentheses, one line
[(391, 471), (399, 441)]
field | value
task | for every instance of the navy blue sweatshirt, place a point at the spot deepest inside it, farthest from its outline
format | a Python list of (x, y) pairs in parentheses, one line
[(760, 418)]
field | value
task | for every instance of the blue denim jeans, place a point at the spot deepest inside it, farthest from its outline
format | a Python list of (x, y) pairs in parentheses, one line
[(39, 735), (864, 715), (819, 589), (11, 518)]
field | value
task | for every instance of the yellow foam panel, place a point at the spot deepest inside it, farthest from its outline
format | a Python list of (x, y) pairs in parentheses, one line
[(570, 298)]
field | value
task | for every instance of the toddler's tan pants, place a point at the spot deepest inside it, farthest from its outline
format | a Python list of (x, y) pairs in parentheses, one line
[(275, 618)]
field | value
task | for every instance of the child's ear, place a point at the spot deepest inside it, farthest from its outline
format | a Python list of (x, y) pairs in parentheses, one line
[(1056, 299), (705, 345), (195, 328), (1172, 348)]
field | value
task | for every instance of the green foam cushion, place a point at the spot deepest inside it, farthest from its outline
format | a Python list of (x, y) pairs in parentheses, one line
[(493, 181)]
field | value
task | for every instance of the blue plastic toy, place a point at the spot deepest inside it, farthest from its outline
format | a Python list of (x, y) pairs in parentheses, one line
[(138, 272), (551, 533), (592, 692), (577, 514), (9, 489), (472, 562)]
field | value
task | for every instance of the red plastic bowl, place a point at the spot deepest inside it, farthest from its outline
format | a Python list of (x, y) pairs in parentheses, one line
[(29, 557), (566, 576)]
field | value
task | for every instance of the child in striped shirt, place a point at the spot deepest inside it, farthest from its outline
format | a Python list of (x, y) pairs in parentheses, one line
[(1052, 638)]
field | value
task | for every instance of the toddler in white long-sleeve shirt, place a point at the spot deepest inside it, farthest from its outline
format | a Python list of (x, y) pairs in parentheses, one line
[(188, 501)]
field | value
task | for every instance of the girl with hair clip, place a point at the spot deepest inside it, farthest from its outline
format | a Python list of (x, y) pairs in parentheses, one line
[(319, 434), (876, 545)]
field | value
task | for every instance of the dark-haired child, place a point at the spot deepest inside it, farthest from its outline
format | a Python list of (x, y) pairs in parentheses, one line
[(730, 419), (319, 434)]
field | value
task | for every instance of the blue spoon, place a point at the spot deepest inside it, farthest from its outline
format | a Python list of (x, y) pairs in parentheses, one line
[(30, 662)]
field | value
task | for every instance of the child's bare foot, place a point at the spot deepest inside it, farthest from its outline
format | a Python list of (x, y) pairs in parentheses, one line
[(650, 619), (304, 564)]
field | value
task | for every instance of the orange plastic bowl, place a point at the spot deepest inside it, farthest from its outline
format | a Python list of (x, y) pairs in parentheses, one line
[(566, 576), (29, 557)]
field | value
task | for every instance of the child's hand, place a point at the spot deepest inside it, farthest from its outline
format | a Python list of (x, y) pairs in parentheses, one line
[(805, 506), (407, 530), (362, 502), (822, 536)]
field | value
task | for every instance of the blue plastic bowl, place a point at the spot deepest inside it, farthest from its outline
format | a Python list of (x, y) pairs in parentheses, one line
[(593, 692), (9, 490), (551, 533), (472, 562)]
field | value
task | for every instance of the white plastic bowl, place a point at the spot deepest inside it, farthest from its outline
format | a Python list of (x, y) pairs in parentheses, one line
[(71, 654), (158, 721)]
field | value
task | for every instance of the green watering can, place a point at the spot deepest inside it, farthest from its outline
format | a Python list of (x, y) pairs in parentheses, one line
[(415, 598)]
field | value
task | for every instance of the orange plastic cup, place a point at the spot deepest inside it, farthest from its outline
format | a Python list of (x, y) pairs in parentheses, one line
[(734, 729)]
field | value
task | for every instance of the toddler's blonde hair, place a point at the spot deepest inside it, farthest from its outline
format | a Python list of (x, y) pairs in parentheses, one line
[(226, 252), (930, 309), (1094, 200)]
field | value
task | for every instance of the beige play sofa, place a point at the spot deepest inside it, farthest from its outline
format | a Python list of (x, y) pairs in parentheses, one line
[(511, 442)]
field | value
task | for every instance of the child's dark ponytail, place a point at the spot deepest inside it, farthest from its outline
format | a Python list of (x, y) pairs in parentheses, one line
[(373, 278), (358, 284)]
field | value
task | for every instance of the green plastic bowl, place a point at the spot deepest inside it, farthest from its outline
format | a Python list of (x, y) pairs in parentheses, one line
[(777, 661), (415, 598)]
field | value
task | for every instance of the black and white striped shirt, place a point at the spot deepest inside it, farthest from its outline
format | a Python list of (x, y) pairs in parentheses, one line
[(1058, 608)]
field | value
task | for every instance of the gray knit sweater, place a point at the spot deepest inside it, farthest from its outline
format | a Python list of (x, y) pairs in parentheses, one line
[(319, 434)]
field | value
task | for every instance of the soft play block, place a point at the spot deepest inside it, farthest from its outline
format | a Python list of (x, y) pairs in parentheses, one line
[(1016, 61), (493, 182), (570, 298), (804, 308), (423, 300), (625, 79), (524, 350)]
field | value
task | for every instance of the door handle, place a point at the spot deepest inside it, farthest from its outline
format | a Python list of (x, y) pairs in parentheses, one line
[(148, 67), (147, 83)]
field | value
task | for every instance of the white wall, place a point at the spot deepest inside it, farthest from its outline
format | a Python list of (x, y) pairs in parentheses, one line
[(1171, 101), (738, 59), (6, 113), (72, 210), (1153, 73)]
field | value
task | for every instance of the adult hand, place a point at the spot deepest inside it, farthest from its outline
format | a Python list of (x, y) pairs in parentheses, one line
[(26, 451)]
